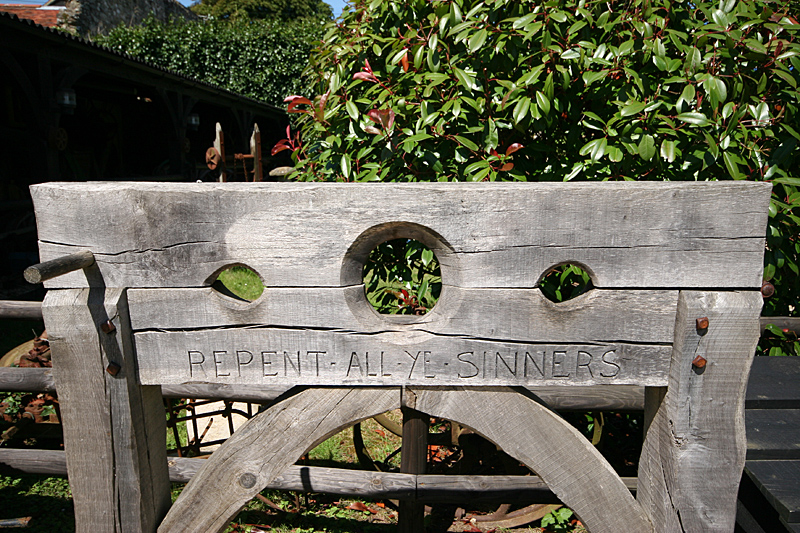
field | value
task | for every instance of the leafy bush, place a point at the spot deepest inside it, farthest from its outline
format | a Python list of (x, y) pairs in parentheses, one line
[(255, 9), (262, 59), (562, 90)]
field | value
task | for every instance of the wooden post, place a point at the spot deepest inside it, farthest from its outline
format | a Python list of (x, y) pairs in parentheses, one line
[(694, 450), (413, 460), (114, 429)]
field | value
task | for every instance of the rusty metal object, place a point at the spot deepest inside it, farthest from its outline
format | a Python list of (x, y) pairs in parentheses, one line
[(212, 158), (113, 368), (767, 289), (108, 327), (702, 323), (699, 362)]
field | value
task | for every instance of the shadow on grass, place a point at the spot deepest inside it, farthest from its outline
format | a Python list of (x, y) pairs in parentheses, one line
[(46, 500)]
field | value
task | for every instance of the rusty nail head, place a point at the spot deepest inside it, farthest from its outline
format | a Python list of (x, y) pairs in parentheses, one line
[(767, 289), (699, 362), (113, 368), (702, 323), (108, 327)]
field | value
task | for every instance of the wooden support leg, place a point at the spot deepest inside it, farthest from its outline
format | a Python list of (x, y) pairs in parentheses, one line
[(114, 429), (414, 460), (694, 450)]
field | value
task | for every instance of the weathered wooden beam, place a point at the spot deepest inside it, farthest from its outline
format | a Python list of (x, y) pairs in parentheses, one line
[(694, 449), (59, 266), (591, 398), (636, 234), (379, 485), (20, 310), (27, 379), (413, 460), (113, 428)]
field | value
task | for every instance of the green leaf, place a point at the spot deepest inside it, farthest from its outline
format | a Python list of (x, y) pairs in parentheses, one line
[(595, 149), (466, 79), (632, 109), (730, 164), (614, 154), (523, 21), (345, 165), (668, 150), (521, 109), (352, 110), (477, 40), (785, 76), (647, 147), (466, 142), (572, 53), (698, 119), (590, 77), (543, 102)]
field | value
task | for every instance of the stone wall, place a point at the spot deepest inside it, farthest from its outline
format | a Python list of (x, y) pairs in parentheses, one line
[(89, 17)]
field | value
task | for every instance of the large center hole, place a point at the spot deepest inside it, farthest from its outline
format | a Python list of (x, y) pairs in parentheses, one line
[(402, 277), (565, 282)]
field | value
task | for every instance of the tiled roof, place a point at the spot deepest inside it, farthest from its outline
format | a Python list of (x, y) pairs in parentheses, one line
[(44, 16)]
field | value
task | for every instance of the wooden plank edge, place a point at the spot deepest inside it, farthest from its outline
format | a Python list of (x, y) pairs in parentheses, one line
[(428, 488), (590, 398), (20, 310)]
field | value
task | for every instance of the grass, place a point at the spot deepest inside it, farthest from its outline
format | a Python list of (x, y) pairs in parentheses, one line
[(242, 282)]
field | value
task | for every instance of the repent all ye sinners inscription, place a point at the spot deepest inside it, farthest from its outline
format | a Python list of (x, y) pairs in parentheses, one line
[(405, 365), (326, 358)]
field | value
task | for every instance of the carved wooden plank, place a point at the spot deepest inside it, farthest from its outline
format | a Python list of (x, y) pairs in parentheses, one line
[(261, 449), (694, 451), (505, 314), (572, 468), (113, 428), (274, 356), (644, 234)]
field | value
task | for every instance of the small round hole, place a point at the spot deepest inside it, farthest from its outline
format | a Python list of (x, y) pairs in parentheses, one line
[(402, 277), (239, 282), (565, 282)]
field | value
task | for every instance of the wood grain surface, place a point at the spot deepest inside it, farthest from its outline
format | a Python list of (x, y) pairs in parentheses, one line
[(628, 234)]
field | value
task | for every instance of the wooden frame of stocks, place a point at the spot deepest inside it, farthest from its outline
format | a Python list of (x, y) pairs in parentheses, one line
[(676, 269)]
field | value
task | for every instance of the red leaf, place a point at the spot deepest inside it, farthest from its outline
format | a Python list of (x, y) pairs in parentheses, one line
[(384, 117), (359, 506), (404, 61), (366, 76), (372, 129), (380, 432), (294, 101), (507, 166), (404, 293), (513, 148), (368, 68), (280, 147)]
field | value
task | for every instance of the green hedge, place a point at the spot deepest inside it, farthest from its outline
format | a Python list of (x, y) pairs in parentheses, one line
[(261, 59), (564, 90)]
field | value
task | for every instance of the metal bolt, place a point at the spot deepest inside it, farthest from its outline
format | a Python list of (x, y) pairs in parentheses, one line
[(108, 327), (767, 289), (699, 362), (702, 323), (113, 368), (247, 480)]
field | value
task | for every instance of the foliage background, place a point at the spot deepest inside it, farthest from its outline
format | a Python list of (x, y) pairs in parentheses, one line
[(472, 90), (262, 59), (258, 9)]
